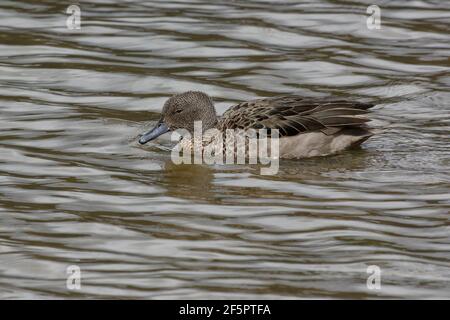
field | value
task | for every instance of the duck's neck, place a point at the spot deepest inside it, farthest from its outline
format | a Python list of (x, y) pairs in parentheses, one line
[(210, 122)]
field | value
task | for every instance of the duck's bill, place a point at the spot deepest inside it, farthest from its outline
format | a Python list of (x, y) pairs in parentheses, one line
[(158, 130)]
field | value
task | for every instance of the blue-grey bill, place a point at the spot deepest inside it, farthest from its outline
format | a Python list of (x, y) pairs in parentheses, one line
[(160, 129)]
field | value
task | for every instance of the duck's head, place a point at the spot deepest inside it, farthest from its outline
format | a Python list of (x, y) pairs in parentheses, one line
[(181, 111)]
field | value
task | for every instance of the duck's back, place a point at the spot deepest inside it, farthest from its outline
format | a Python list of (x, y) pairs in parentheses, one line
[(307, 126)]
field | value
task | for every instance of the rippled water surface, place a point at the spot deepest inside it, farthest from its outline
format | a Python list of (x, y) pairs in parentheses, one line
[(77, 189)]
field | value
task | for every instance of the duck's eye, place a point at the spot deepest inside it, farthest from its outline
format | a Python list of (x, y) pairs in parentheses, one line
[(178, 111)]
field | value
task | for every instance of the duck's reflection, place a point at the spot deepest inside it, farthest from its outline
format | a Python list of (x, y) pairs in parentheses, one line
[(196, 181), (189, 180)]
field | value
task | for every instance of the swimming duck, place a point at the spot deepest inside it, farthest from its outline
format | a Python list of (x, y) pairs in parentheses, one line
[(307, 127)]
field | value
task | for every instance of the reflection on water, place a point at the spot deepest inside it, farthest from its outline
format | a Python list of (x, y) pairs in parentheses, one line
[(77, 189)]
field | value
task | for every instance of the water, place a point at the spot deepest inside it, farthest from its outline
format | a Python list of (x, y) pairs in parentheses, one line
[(77, 189)]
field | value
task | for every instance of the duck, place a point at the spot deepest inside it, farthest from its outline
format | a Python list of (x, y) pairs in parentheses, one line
[(307, 127)]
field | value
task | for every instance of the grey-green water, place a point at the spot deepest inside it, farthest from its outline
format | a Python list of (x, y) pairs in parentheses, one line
[(77, 189)]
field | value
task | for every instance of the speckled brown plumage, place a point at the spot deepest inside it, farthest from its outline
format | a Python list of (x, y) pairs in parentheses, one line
[(307, 126), (293, 114)]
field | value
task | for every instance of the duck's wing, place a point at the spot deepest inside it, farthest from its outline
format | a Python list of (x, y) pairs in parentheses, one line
[(292, 115)]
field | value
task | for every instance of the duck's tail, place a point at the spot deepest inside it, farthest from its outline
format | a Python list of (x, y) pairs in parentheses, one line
[(357, 135)]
